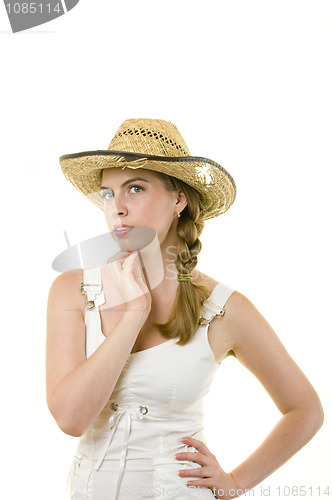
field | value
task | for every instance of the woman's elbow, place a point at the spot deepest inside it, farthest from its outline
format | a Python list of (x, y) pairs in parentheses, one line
[(66, 424), (71, 431), (69, 427), (314, 415), (319, 415)]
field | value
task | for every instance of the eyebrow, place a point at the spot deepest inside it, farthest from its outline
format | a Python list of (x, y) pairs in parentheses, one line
[(127, 182)]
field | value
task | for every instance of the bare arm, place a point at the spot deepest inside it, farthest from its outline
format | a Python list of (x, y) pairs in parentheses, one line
[(257, 347), (79, 388)]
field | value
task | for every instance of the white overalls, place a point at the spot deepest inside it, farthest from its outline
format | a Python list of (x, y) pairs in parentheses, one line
[(128, 451)]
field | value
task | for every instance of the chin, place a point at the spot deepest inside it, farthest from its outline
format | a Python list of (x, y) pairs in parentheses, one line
[(136, 239)]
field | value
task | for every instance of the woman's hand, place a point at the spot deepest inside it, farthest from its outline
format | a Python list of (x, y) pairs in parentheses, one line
[(126, 275), (212, 475)]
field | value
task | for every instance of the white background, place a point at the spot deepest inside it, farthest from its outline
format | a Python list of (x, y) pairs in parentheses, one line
[(248, 84)]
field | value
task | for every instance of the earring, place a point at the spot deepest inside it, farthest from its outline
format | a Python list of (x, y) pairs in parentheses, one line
[(179, 214)]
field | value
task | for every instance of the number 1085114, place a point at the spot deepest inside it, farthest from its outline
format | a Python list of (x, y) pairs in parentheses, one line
[(33, 8)]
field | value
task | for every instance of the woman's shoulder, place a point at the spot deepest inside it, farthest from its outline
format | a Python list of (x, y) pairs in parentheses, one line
[(236, 301), (65, 280), (200, 278), (66, 289)]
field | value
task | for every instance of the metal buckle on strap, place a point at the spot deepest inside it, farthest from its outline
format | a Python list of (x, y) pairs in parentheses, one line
[(90, 304), (203, 321)]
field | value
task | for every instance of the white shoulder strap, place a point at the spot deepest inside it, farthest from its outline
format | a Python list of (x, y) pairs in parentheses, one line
[(214, 305), (92, 289)]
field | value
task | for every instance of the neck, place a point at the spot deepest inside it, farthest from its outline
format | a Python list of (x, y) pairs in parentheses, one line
[(159, 265)]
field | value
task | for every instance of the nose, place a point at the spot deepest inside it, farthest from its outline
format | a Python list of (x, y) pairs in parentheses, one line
[(114, 209)]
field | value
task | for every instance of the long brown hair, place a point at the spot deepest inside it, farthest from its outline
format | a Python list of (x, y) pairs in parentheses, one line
[(186, 310)]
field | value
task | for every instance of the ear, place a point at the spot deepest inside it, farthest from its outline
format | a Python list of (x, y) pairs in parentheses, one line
[(181, 201)]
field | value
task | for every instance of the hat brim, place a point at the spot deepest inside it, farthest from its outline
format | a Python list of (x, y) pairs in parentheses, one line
[(215, 185)]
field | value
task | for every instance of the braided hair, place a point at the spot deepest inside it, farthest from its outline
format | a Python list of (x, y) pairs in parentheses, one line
[(186, 309)]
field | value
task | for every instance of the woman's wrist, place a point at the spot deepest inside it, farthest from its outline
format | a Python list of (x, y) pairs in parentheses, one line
[(138, 315)]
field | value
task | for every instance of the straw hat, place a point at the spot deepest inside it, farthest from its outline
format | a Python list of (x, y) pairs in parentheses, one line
[(153, 145)]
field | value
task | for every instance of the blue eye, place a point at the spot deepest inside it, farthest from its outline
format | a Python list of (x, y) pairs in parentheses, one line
[(139, 187), (105, 192)]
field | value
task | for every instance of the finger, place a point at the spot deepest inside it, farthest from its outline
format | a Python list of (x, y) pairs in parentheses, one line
[(114, 266), (199, 445), (131, 255), (128, 262), (193, 457), (113, 270), (137, 273), (135, 269), (202, 483), (198, 472)]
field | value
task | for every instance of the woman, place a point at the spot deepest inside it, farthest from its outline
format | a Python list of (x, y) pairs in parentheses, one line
[(128, 368)]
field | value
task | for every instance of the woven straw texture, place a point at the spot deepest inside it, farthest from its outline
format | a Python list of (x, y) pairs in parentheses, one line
[(214, 184)]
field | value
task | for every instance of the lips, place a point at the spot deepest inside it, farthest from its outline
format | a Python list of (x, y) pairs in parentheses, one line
[(122, 230)]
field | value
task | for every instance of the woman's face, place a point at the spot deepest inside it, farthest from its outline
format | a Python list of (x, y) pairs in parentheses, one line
[(137, 197)]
